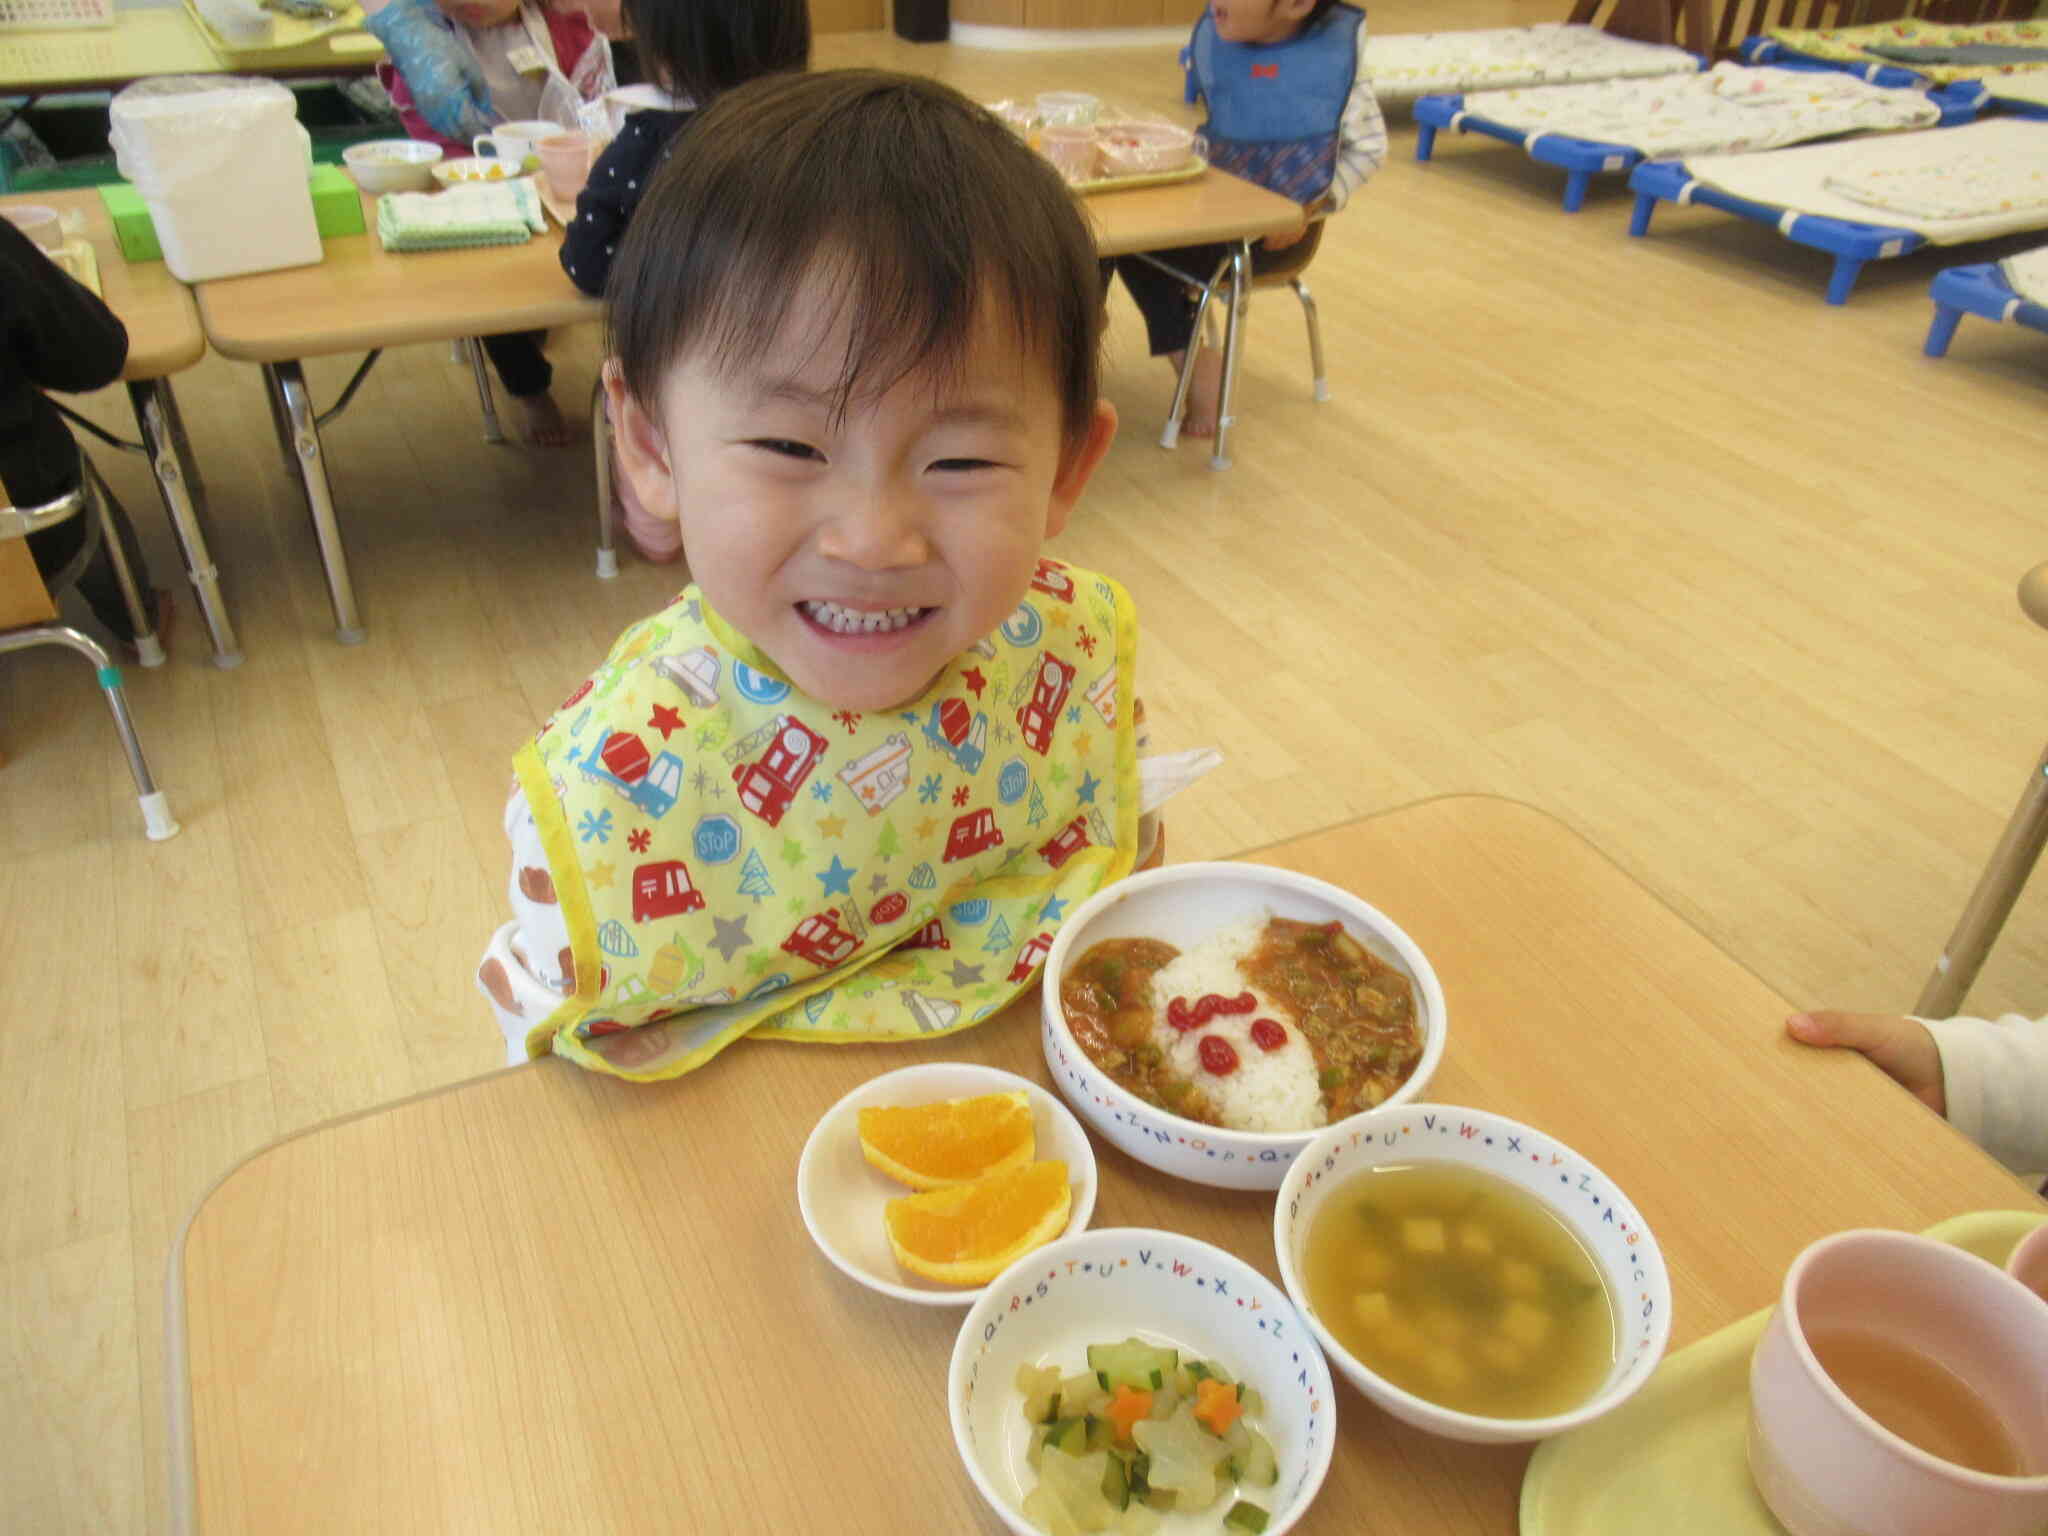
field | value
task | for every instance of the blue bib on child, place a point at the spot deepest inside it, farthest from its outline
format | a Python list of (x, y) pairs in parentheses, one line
[(1274, 108)]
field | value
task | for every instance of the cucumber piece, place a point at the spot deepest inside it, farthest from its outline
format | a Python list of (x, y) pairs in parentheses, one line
[(1133, 1363), (1069, 1435), (1261, 1466), (1245, 1517), (1116, 1483), (1201, 1370), (1141, 1464), (1101, 1434)]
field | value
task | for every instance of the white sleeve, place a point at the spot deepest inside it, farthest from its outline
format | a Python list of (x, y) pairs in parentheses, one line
[(1361, 135), (1995, 1078), (526, 970)]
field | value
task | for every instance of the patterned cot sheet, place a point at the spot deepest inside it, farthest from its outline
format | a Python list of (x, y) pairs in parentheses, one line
[(1730, 108), (1406, 65), (2028, 274), (1853, 45), (1998, 164)]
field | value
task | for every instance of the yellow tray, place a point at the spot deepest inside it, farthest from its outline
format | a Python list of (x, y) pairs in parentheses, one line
[(295, 41), (1150, 179), (1672, 1457)]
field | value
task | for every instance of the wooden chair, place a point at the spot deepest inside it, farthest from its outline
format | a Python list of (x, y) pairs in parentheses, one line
[(28, 616), (2005, 876)]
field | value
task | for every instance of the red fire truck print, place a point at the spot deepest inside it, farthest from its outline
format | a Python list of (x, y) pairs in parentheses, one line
[(971, 834), (768, 786), (1066, 842), (1052, 579), (820, 940), (1041, 712), (931, 936), (1030, 957), (664, 889)]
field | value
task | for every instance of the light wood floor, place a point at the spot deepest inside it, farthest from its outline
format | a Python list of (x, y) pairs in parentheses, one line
[(1641, 532)]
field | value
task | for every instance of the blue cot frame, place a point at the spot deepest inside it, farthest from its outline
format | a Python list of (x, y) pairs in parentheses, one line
[(1976, 290), (1583, 159)]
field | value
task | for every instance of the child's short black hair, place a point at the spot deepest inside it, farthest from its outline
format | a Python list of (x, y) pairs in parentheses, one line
[(910, 201), (702, 48)]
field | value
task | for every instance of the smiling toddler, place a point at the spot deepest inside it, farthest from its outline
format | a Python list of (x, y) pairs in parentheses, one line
[(848, 784)]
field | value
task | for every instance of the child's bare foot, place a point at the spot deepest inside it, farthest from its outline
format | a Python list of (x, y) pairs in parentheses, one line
[(541, 421), (1199, 417)]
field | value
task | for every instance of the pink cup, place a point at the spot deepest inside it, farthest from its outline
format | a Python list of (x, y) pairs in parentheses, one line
[(1824, 1466), (565, 162), (1071, 149), (2028, 1263)]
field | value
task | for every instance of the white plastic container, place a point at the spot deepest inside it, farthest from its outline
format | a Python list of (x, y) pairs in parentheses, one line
[(222, 163)]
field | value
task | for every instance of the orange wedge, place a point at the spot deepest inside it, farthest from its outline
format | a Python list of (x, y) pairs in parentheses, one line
[(969, 1234), (936, 1146)]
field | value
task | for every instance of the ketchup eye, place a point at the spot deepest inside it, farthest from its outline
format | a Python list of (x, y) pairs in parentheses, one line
[(1267, 1034), (1217, 1055)]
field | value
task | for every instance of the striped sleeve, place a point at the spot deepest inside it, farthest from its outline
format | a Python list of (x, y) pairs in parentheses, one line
[(1361, 136)]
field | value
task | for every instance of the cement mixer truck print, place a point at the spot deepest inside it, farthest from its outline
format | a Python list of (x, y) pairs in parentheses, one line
[(621, 761)]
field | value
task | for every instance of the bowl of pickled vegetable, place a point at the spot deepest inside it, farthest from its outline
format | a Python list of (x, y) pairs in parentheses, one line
[(1212, 1019), (1136, 1381)]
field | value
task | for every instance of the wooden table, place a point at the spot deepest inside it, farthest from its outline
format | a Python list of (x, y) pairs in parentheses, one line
[(359, 298), (549, 1301), (158, 40), (163, 338)]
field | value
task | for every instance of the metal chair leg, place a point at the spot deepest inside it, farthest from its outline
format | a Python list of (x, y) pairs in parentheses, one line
[(601, 444), (493, 433), (1170, 435), (1233, 346), (157, 819), (1315, 338), (149, 649)]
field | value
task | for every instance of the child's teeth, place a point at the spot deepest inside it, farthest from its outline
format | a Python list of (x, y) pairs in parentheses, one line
[(858, 621)]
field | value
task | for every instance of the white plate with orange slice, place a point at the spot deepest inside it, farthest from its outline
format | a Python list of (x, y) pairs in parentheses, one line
[(955, 1172)]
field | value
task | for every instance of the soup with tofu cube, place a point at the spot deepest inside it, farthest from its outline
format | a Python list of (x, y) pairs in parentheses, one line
[(1461, 1288)]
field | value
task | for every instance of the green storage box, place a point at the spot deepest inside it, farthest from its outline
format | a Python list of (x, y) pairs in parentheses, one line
[(337, 211)]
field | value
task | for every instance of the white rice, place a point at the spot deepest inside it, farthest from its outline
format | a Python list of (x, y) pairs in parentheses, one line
[(1274, 1090)]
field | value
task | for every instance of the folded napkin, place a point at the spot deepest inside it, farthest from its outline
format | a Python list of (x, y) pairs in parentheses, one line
[(471, 214)]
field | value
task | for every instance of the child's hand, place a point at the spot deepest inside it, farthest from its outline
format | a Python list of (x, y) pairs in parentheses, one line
[(446, 83), (1899, 1045), (1282, 242)]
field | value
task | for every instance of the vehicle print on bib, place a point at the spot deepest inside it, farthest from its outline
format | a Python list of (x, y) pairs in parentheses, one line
[(878, 777), (1052, 579), (933, 1015), (1040, 714), (769, 784), (821, 940), (1030, 957), (694, 671), (621, 761), (959, 731), (931, 936), (971, 834), (1066, 842), (1101, 696), (664, 889)]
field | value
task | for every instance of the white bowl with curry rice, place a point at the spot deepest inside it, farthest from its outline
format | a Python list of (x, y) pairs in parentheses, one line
[(1212, 1019)]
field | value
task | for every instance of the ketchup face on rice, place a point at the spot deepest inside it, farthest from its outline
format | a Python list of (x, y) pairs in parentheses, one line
[(1268, 1025)]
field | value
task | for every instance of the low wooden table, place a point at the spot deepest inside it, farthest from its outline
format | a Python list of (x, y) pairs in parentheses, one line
[(163, 338), (362, 298), (550, 1301)]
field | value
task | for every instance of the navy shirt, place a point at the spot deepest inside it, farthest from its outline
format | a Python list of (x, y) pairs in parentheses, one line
[(617, 183), (53, 335)]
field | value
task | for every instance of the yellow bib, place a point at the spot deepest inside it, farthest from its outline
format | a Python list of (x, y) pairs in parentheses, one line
[(732, 857)]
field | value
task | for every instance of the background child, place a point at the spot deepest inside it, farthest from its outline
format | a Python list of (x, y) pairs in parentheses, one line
[(56, 335), (498, 60), (847, 785), (1291, 107), (695, 50), (1989, 1078)]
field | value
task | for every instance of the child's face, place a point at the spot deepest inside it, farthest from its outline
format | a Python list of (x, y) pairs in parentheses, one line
[(864, 554), (480, 13), (1259, 21)]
